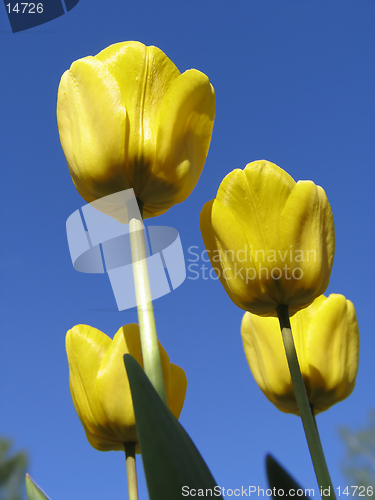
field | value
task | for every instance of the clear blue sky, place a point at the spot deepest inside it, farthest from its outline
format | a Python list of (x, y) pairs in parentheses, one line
[(295, 85)]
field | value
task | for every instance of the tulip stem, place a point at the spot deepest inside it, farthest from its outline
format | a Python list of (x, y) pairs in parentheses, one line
[(149, 340), (131, 470), (308, 420)]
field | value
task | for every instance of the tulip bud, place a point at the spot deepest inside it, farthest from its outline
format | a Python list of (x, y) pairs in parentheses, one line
[(270, 240), (326, 337), (128, 118), (100, 388)]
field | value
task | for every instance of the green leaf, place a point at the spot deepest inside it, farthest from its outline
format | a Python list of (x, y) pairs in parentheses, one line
[(280, 479), (170, 459), (33, 491)]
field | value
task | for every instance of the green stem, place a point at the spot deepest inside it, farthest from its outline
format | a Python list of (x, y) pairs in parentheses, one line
[(308, 420), (131, 470), (149, 340)]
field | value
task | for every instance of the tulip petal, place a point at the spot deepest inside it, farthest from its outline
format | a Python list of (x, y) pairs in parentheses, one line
[(86, 347), (92, 125), (113, 386), (215, 250), (307, 222), (256, 196), (98, 440), (265, 354), (144, 75), (228, 249), (185, 126), (177, 390), (300, 324), (333, 347)]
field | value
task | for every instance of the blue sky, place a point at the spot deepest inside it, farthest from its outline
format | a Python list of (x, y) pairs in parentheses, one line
[(294, 84)]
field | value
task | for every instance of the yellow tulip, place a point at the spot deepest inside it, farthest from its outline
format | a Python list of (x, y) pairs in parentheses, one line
[(270, 240), (326, 337), (100, 388), (128, 118)]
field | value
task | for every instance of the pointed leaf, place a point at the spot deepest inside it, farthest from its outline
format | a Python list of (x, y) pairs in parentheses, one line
[(279, 479), (173, 465), (33, 491)]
